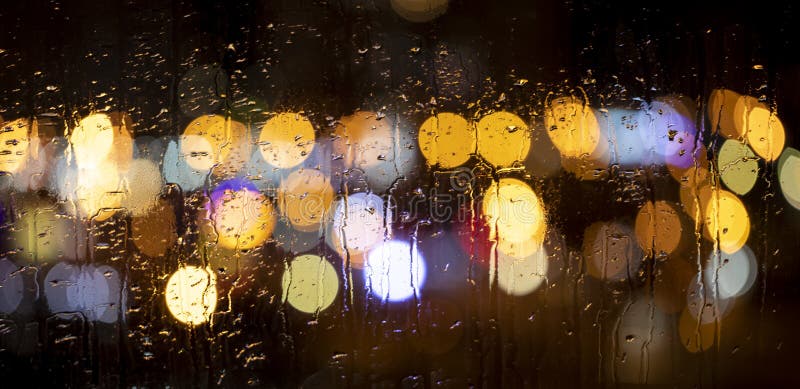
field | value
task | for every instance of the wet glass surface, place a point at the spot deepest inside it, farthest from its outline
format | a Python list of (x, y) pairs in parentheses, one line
[(403, 193)]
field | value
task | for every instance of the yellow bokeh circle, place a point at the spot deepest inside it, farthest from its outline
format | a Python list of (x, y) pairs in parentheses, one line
[(14, 142), (503, 138), (286, 140), (92, 140), (765, 133), (191, 295), (243, 219), (727, 221), (446, 139), (513, 212), (211, 139), (572, 126)]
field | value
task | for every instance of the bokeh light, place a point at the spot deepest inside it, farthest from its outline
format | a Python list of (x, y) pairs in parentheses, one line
[(521, 276), (243, 217), (211, 140), (41, 232), (372, 144), (503, 139), (121, 153), (92, 140), (789, 176), (667, 128), (191, 294), (572, 126), (690, 167), (103, 149), (727, 221), (419, 11), (611, 251), (310, 283), (518, 250), (394, 271), (590, 167), (732, 274), (695, 198), (143, 184), (14, 145), (703, 300), (447, 140), (402, 193), (304, 198), (765, 133), (176, 168), (41, 152), (11, 286), (622, 131), (721, 105), (513, 212), (198, 152), (102, 138), (695, 336), (286, 140), (94, 291), (738, 166), (645, 337), (358, 223), (363, 139), (658, 228), (95, 192), (741, 113)]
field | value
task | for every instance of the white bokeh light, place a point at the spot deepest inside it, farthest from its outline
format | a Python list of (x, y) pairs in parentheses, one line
[(358, 222), (93, 291), (733, 274), (395, 271)]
